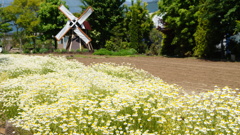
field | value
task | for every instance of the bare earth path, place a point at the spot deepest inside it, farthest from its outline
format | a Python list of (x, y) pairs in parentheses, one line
[(191, 74)]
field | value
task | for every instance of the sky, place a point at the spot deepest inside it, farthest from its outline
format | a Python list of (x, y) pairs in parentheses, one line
[(142, 0), (74, 4)]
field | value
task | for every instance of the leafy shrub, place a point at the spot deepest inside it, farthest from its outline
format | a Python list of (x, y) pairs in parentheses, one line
[(60, 51), (125, 52), (110, 45), (43, 50), (78, 51), (156, 40), (116, 44), (36, 50), (103, 51), (4, 52), (26, 51), (122, 52), (64, 50)]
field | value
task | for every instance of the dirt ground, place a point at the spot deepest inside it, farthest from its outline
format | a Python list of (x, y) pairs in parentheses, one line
[(189, 73)]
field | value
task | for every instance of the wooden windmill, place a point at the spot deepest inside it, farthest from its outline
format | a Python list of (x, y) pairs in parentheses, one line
[(76, 24)]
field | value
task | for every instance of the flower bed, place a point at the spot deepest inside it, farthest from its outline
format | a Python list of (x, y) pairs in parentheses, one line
[(52, 95)]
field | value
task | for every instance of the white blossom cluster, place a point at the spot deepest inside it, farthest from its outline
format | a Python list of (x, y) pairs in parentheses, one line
[(51, 95)]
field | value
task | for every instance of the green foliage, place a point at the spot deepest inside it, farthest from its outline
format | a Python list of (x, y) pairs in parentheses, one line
[(78, 51), (205, 38), (23, 13), (107, 14), (193, 25), (181, 21), (52, 19), (156, 39), (139, 25), (64, 50), (60, 51), (43, 50), (238, 26), (103, 51), (122, 52), (214, 17), (110, 45), (4, 25), (116, 44)]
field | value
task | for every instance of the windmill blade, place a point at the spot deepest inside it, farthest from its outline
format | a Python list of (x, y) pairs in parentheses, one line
[(82, 35), (66, 12), (66, 28), (85, 15), (82, 26)]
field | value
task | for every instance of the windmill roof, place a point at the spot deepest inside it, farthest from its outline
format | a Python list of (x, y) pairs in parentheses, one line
[(87, 25)]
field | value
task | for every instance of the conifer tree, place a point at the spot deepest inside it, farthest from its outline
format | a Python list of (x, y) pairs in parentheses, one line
[(107, 14), (139, 25)]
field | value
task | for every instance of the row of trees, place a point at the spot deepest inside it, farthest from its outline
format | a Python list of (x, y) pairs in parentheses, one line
[(4, 23), (115, 26), (196, 27), (33, 19)]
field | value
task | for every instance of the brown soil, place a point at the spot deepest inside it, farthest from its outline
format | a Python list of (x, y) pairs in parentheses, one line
[(189, 73)]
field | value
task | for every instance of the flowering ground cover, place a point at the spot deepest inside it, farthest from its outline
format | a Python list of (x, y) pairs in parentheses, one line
[(52, 95)]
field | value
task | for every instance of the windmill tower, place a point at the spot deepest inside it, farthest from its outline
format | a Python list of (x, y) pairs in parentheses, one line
[(76, 24)]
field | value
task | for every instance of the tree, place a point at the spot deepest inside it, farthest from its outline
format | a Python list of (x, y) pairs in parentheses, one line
[(52, 20), (4, 23), (107, 14), (205, 38), (156, 40), (139, 25), (214, 17), (182, 24), (237, 29), (194, 25), (24, 14)]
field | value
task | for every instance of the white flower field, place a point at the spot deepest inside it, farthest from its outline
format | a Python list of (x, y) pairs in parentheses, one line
[(51, 95)]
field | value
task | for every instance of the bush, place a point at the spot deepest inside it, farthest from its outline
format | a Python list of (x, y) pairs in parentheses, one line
[(4, 52), (60, 51), (78, 51), (110, 45), (125, 52), (103, 51), (116, 44), (122, 52), (26, 51), (36, 50), (43, 50), (64, 50), (156, 40)]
